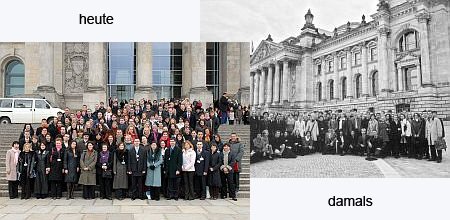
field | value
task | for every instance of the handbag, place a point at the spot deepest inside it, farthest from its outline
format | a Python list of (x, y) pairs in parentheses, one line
[(236, 167), (440, 144)]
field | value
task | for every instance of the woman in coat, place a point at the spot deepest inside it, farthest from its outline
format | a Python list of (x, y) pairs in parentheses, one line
[(55, 176), (405, 140), (71, 168), (42, 170), (26, 170), (120, 182), (88, 161), (12, 158), (154, 163), (214, 173), (434, 133), (105, 163), (188, 168)]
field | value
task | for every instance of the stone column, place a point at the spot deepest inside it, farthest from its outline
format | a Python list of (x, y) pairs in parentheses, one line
[(337, 82), (95, 91), (269, 84), (383, 60), (46, 86), (252, 87), (194, 65), (262, 82), (144, 74), (325, 93), (365, 74), (350, 83), (400, 79), (276, 87), (298, 82), (245, 82), (256, 89), (285, 88), (423, 19)]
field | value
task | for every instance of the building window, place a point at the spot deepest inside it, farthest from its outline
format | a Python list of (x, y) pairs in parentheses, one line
[(14, 78), (357, 58), (330, 66), (121, 70), (212, 68), (374, 83), (319, 91), (167, 69), (373, 54), (319, 69), (358, 85), (409, 41), (344, 87), (343, 62), (331, 89)]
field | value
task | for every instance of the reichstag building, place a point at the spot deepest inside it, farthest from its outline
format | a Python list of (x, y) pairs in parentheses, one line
[(72, 74), (399, 60)]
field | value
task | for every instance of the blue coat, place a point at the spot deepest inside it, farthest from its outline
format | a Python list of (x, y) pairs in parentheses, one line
[(154, 176)]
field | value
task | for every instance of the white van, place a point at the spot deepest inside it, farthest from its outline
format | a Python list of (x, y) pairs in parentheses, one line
[(26, 110)]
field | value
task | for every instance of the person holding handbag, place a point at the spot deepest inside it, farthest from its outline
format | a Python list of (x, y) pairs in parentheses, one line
[(104, 163), (237, 149), (12, 158), (26, 168)]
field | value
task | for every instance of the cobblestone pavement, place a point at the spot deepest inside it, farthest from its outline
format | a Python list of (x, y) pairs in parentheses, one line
[(316, 165), (332, 166), (126, 209)]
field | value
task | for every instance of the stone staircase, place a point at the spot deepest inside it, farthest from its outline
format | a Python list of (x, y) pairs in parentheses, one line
[(11, 132), (243, 132)]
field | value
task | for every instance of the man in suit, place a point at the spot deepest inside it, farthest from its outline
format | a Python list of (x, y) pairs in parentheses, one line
[(226, 172), (137, 166), (201, 171), (172, 163), (363, 141)]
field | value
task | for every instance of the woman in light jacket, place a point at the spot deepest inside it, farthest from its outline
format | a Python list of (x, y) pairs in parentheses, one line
[(154, 163), (88, 161), (188, 169), (433, 131), (12, 158), (405, 140), (120, 183)]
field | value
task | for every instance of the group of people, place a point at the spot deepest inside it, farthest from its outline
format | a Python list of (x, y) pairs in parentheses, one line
[(139, 149), (375, 135)]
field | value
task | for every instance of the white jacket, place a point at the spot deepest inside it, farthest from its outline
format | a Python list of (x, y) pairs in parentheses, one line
[(406, 132), (189, 160)]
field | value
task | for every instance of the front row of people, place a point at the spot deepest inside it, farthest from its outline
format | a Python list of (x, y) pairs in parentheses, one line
[(137, 170)]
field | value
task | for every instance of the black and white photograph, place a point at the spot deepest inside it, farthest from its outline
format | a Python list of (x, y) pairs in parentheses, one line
[(369, 97)]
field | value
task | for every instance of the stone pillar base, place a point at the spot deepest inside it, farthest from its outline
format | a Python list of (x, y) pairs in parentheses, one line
[(426, 90), (202, 94), (145, 93), (49, 93), (93, 96)]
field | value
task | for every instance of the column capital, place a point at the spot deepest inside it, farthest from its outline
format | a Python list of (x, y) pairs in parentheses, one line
[(384, 31), (423, 17)]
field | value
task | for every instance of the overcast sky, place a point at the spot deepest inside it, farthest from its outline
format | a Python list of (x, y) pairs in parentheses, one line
[(253, 20)]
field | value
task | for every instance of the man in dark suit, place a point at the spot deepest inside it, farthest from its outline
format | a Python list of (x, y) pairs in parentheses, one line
[(223, 107), (190, 116), (201, 170), (137, 166), (172, 163), (226, 172), (363, 141)]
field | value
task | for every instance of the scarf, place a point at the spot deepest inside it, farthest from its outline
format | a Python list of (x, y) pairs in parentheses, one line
[(104, 156), (16, 155)]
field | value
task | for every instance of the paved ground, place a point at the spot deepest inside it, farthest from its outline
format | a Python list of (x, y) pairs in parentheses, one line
[(317, 165), (126, 209)]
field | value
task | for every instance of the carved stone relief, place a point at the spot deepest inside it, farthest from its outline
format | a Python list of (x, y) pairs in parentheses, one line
[(76, 67)]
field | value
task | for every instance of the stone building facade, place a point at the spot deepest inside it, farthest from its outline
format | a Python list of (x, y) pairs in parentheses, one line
[(72, 74), (400, 60)]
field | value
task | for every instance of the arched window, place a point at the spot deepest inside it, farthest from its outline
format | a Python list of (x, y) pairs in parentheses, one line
[(358, 85), (374, 83), (408, 41), (14, 78), (344, 87), (319, 91), (331, 89)]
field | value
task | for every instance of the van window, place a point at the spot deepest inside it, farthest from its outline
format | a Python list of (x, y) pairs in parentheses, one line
[(41, 104), (23, 103), (5, 103)]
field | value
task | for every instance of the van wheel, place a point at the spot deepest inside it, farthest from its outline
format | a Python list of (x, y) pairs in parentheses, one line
[(5, 120), (49, 119)]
